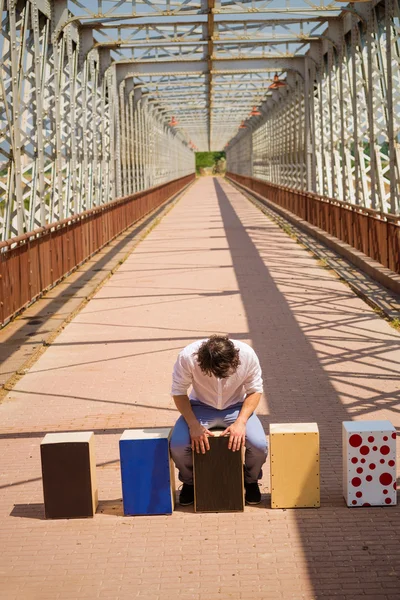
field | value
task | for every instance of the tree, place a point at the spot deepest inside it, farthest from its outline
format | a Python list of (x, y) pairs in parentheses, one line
[(206, 160)]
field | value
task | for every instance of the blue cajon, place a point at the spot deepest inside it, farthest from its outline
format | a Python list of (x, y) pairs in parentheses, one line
[(148, 480)]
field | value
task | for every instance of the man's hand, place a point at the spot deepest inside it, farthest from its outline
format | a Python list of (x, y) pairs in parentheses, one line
[(199, 436), (237, 435)]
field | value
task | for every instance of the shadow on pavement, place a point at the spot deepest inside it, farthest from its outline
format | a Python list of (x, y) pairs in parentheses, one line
[(111, 507), (30, 326), (341, 546), (28, 511)]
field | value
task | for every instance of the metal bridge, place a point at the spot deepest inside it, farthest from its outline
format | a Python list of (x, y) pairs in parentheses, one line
[(103, 106), (107, 99)]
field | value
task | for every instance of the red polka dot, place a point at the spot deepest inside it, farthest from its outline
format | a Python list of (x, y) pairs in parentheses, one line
[(354, 502), (366, 504), (360, 470), (363, 460), (385, 449), (395, 486), (355, 440), (385, 438), (391, 463), (358, 494), (354, 460), (372, 466), (385, 491), (382, 461), (364, 450), (356, 481), (371, 439), (388, 501), (369, 478), (375, 448), (394, 435), (386, 479)]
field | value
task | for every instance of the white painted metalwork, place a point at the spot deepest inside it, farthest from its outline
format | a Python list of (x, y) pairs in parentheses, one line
[(70, 139), (336, 131), (89, 89)]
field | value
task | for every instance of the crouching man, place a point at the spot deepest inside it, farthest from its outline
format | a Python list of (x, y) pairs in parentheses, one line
[(226, 381)]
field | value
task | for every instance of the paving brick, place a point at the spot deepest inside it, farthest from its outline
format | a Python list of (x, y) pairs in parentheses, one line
[(213, 264)]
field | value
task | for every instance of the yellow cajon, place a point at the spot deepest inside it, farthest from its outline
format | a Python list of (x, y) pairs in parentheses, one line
[(294, 452)]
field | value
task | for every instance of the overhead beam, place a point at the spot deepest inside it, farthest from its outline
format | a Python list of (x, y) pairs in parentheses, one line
[(127, 69), (177, 83), (165, 16), (231, 41), (200, 20), (218, 95)]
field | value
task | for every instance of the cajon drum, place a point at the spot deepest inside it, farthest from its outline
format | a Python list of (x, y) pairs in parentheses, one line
[(69, 475), (218, 477), (369, 463), (148, 477), (295, 478)]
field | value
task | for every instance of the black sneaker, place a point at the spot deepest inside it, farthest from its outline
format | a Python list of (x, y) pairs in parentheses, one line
[(186, 497), (253, 494)]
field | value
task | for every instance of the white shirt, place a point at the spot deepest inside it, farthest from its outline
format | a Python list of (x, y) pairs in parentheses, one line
[(220, 393)]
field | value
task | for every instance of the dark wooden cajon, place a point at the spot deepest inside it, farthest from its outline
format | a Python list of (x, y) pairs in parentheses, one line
[(218, 477), (69, 475)]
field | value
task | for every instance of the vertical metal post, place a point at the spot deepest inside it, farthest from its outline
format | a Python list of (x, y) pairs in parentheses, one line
[(342, 120), (132, 138), (59, 69), (16, 133), (354, 39), (116, 118), (390, 116), (370, 107), (95, 183), (128, 133), (331, 176), (138, 163), (123, 152), (112, 100), (84, 193), (40, 196), (308, 138), (72, 63)]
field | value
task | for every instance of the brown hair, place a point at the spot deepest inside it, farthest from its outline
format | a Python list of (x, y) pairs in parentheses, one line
[(218, 356)]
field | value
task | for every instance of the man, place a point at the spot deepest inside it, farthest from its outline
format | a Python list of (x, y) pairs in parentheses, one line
[(226, 381)]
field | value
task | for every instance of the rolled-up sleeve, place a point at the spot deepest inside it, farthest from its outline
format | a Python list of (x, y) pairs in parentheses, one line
[(181, 376), (254, 382)]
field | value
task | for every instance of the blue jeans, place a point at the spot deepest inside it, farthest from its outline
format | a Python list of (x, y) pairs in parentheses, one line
[(256, 443)]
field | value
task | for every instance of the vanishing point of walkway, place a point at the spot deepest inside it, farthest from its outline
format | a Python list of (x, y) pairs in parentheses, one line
[(215, 263)]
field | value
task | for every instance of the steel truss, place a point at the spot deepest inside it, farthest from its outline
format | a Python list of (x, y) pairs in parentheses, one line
[(335, 129), (70, 137), (88, 91)]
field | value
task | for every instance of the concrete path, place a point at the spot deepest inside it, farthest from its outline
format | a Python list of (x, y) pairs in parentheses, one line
[(213, 264)]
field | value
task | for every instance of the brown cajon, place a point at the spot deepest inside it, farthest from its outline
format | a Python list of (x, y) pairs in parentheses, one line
[(69, 475), (218, 477)]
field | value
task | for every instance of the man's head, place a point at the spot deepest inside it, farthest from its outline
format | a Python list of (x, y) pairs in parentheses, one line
[(218, 356)]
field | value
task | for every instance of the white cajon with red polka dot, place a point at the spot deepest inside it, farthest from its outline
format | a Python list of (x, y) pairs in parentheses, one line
[(369, 463)]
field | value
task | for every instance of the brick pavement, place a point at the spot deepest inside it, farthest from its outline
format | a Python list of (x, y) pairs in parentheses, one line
[(213, 264)]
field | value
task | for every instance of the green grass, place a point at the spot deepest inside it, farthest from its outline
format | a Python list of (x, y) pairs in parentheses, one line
[(395, 323), (206, 160)]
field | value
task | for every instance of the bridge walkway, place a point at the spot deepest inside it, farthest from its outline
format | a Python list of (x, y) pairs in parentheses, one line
[(213, 264)]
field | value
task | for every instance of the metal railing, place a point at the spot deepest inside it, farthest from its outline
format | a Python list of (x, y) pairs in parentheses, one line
[(34, 262), (374, 233)]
